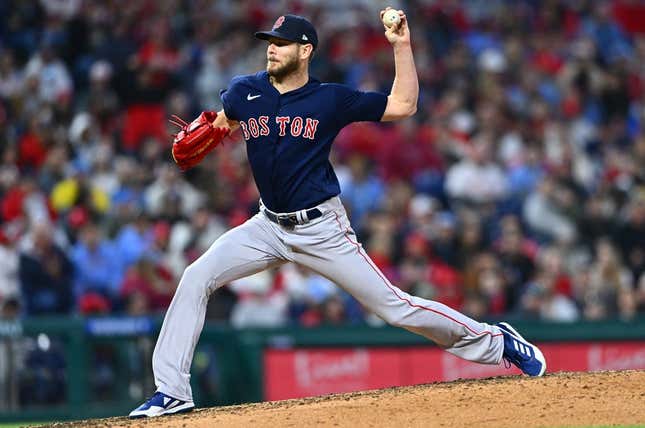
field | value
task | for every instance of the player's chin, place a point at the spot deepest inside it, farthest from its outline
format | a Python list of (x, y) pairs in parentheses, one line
[(275, 70), (279, 70)]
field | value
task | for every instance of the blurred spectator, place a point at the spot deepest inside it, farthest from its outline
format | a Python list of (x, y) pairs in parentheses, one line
[(421, 212), (95, 269), (55, 85), (607, 34), (598, 218), (334, 311), (170, 196), (127, 199), (477, 179), (105, 178), (189, 239), (133, 242), (12, 354), (362, 191), (545, 213), (152, 285), (410, 154), (24, 202), (609, 291), (83, 135), (414, 267), (42, 378), (448, 285), (54, 169), (515, 253), (77, 191), (475, 305), (484, 278), (525, 173), (101, 101), (631, 234), (11, 79), (444, 244), (260, 302), (378, 233), (45, 274), (548, 295), (541, 301), (10, 308), (9, 284), (152, 69), (470, 240), (314, 300), (640, 294)]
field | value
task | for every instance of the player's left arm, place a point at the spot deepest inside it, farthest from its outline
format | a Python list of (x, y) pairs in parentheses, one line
[(402, 101), (196, 139)]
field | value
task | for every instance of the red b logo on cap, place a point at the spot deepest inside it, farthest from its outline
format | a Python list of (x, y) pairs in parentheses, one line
[(278, 22)]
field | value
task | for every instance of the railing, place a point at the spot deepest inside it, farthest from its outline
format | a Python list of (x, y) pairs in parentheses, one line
[(98, 367)]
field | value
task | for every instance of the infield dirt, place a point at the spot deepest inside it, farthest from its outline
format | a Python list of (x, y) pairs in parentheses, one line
[(555, 400)]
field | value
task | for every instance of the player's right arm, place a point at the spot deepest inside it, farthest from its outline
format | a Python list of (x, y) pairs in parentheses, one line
[(357, 106), (402, 101)]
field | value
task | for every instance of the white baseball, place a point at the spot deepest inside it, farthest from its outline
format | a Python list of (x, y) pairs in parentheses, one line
[(391, 17)]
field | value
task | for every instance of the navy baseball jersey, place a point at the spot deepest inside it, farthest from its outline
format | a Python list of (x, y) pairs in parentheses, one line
[(289, 136)]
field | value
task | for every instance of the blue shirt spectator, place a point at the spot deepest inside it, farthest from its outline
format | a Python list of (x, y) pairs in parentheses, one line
[(362, 190), (96, 264), (132, 243)]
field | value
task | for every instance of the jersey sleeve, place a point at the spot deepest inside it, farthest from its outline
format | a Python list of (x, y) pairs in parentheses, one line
[(228, 96), (359, 106)]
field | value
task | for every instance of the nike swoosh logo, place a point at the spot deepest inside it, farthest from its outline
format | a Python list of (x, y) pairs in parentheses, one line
[(249, 97)]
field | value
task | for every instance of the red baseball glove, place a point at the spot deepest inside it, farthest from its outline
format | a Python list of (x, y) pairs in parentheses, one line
[(196, 139)]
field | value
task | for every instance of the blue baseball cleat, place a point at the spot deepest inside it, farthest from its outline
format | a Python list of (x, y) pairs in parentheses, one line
[(161, 404), (526, 356)]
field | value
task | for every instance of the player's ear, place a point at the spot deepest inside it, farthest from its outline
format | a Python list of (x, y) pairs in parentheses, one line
[(307, 51)]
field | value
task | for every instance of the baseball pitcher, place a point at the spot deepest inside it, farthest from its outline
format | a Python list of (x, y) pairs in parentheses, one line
[(289, 121)]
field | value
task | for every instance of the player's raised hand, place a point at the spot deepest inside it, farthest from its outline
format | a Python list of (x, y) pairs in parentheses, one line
[(397, 32)]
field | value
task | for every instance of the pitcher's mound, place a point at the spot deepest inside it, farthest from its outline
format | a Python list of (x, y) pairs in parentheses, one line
[(555, 400)]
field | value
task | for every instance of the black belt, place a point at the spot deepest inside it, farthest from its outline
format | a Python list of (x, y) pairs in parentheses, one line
[(293, 219)]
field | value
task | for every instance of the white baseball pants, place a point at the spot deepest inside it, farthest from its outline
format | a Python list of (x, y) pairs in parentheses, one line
[(328, 246)]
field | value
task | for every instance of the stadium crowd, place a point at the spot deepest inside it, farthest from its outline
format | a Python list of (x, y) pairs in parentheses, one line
[(518, 188)]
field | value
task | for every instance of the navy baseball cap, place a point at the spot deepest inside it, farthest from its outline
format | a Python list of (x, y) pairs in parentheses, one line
[(293, 28)]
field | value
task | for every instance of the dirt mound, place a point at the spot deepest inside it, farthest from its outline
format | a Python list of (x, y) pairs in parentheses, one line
[(555, 400)]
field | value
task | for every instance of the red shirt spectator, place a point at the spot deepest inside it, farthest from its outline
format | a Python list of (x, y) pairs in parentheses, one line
[(153, 281), (409, 150), (630, 14)]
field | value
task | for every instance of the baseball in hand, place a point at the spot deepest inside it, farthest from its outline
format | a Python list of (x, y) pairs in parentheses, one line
[(391, 17)]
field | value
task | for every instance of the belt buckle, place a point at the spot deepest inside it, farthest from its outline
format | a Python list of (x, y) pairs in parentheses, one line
[(285, 220), (293, 220)]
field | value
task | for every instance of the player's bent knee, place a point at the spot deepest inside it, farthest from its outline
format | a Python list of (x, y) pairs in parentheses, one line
[(393, 318), (195, 277)]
